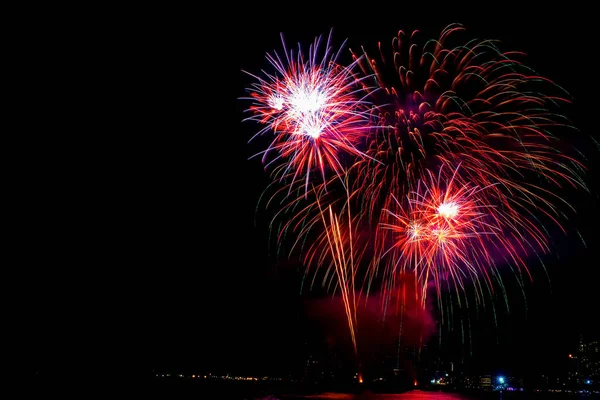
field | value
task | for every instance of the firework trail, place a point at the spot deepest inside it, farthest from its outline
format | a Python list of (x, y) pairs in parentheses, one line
[(340, 251)]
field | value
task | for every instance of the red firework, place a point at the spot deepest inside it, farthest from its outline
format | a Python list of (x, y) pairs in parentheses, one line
[(447, 232), (464, 103), (315, 109)]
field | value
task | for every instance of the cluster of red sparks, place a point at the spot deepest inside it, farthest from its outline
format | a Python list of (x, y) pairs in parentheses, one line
[(445, 152)]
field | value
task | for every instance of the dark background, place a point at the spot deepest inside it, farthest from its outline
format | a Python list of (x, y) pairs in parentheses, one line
[(137, 243)]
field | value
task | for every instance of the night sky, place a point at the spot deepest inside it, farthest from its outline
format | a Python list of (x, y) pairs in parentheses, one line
[(159, 254)]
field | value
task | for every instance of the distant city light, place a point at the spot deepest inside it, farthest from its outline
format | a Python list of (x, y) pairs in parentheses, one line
[(501, 379)]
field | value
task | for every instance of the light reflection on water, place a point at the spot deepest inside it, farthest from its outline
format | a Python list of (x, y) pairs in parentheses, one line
[(220, 391), (425, 395), (413, 395)]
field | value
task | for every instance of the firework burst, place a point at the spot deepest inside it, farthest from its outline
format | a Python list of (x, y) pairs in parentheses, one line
[(316, 112), (471, 104), (448, 232)]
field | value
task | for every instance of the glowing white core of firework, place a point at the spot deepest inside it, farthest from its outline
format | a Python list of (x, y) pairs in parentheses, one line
[(314, 133), (307, 101), (311, 127), (414, 231), (276, 102), (440, 234), (448, 210)]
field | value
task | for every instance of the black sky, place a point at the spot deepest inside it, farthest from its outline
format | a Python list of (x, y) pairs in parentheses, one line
[(162, 242)]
